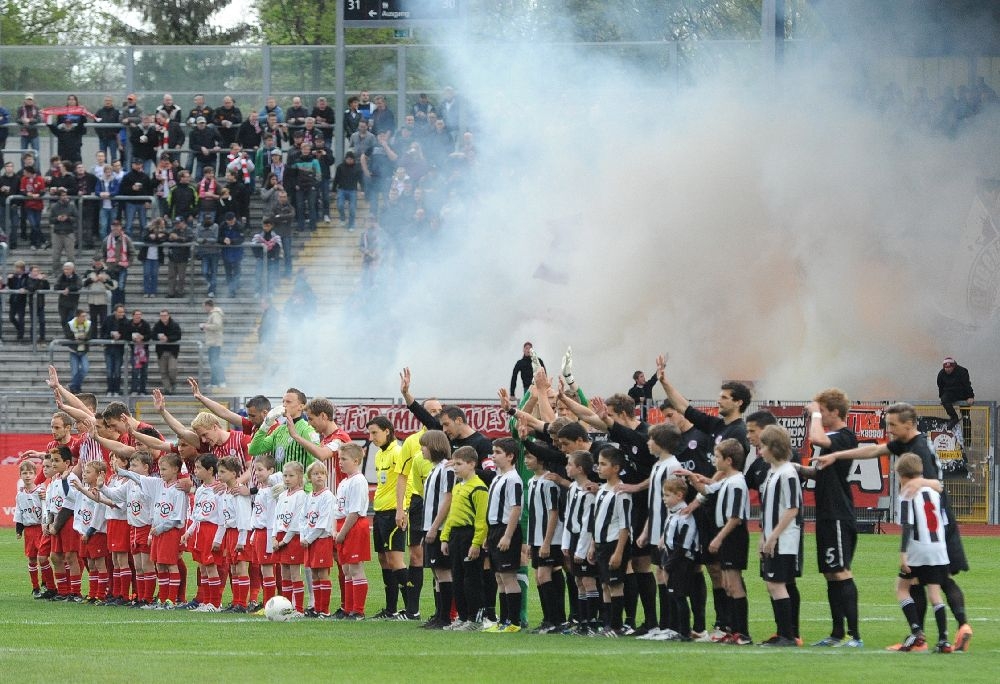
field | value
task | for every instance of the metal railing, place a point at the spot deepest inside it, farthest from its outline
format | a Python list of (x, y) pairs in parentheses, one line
[(125, 345)]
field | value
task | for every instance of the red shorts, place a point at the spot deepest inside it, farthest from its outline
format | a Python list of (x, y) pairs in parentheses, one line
[(166, 548), (44, 548), (32, 539), (68, 539), (258, 548), (201, 545), (95, 547), (293, 554), (320, 553), (357, 547), (118, 536), (229, 547), (139, 539)]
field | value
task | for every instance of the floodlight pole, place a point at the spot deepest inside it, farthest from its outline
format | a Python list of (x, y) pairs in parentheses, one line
[(340, 99)]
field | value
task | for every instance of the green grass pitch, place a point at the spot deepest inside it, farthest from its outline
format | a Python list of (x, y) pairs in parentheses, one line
[(43, 641)]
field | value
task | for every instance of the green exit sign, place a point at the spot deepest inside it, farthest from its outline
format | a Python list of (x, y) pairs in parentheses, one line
[(402, 33)]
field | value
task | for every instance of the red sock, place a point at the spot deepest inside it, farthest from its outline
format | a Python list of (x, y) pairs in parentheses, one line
[(62, 583), (243, 582), (360, 595), (181, 581), (270, 588), (256, 582), (285, 587), (298, 594), (163, 580), (175, 586), (92, 579), (33, 575), (347, 596), (323, 589), (102, 585), (75, 582), (48, 579)]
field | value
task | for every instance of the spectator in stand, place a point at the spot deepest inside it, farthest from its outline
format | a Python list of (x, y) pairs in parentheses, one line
[(168, 109), (324, 156), (282, 213), (275, 169), (954, 387), (107, 187), (421, 109), (365, 105), (239, 193), (9, 187), (68, 285), (4, 131), (231, 237), (268, 256), (140, 333), (324, 115), (63, 218), (37, 284), (167, 333), (205, 143), (352, 117), (262, 158), (97, 283), (250, 132), (208, 195), (84, 186), (206, 240), (130, 118), (171, 136), (296, 115), (361, 141), (641, 391), (382, 119), (438, 145), (214, 329), (378, 166), (310, 133), (118, 255), (239, 162), (145, 138), (200, 109), (227, 120), (79, 328), (33, 187), (346, 182), (58, 178), (524, 368), (183, 199), (115, 328), (68, 130), (271, 107), (150, 255), (371, 252), (307, 177), (29, 116), (17, 283), (136, 183), (276, 130), (179, 254), (449, 110), (166, 179)]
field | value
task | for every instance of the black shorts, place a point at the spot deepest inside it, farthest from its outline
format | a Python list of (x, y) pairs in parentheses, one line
[(415, 524), (603, 555), (957, 561), (734, 550), (504, 561), (681, 570), (584, 568), (553, 560), (638, 525), (386, 535), (835, 544), (780, 569), (704, 519), (433, 556), (927, 574)]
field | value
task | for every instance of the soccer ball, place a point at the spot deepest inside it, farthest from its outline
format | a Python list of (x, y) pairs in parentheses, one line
[(279, 609)]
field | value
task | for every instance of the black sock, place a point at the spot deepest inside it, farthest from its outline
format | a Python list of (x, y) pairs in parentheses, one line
[(617, 605), (446, 593), (741, 607), (490, 594), (835, 597), (596, 607), (543, 598), (719, 602), (919, 596), (682, 615), (514, 608), (698, 593), (437, 601), (941, 618), (574, 599), (849, 603), (912, 614), (631, 598), (414, 587), (647, 595), (559, 597), (664, 597), (504, 607), (391, 589), (400, 580), (606, 614), (796, 604), (783, 617), (956, 600), (582, 607)]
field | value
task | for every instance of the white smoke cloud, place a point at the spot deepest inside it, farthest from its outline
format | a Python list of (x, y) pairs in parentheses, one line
[(785, 234)]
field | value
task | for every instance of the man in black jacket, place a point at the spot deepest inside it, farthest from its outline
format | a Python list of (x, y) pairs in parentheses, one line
[(179, 256), (107, 137), (167, 333), (954, 386), (206, 143), (136, 183), (68, 285), (115, 328), (524, 369)]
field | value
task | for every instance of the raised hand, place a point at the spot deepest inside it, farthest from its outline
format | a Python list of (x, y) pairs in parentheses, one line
[(159, 402), (567, 366), (195, 387), (504, 399)]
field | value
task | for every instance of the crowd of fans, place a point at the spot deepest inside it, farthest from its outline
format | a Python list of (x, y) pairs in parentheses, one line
[(946, 114), (167, 185)]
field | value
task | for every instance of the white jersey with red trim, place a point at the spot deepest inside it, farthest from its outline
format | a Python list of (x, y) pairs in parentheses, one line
[(170, 507), (30, 509), (207, 507), (264, 504), (90, 514), (317, 516), (288, 512), (116, 490), (352, 497)]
